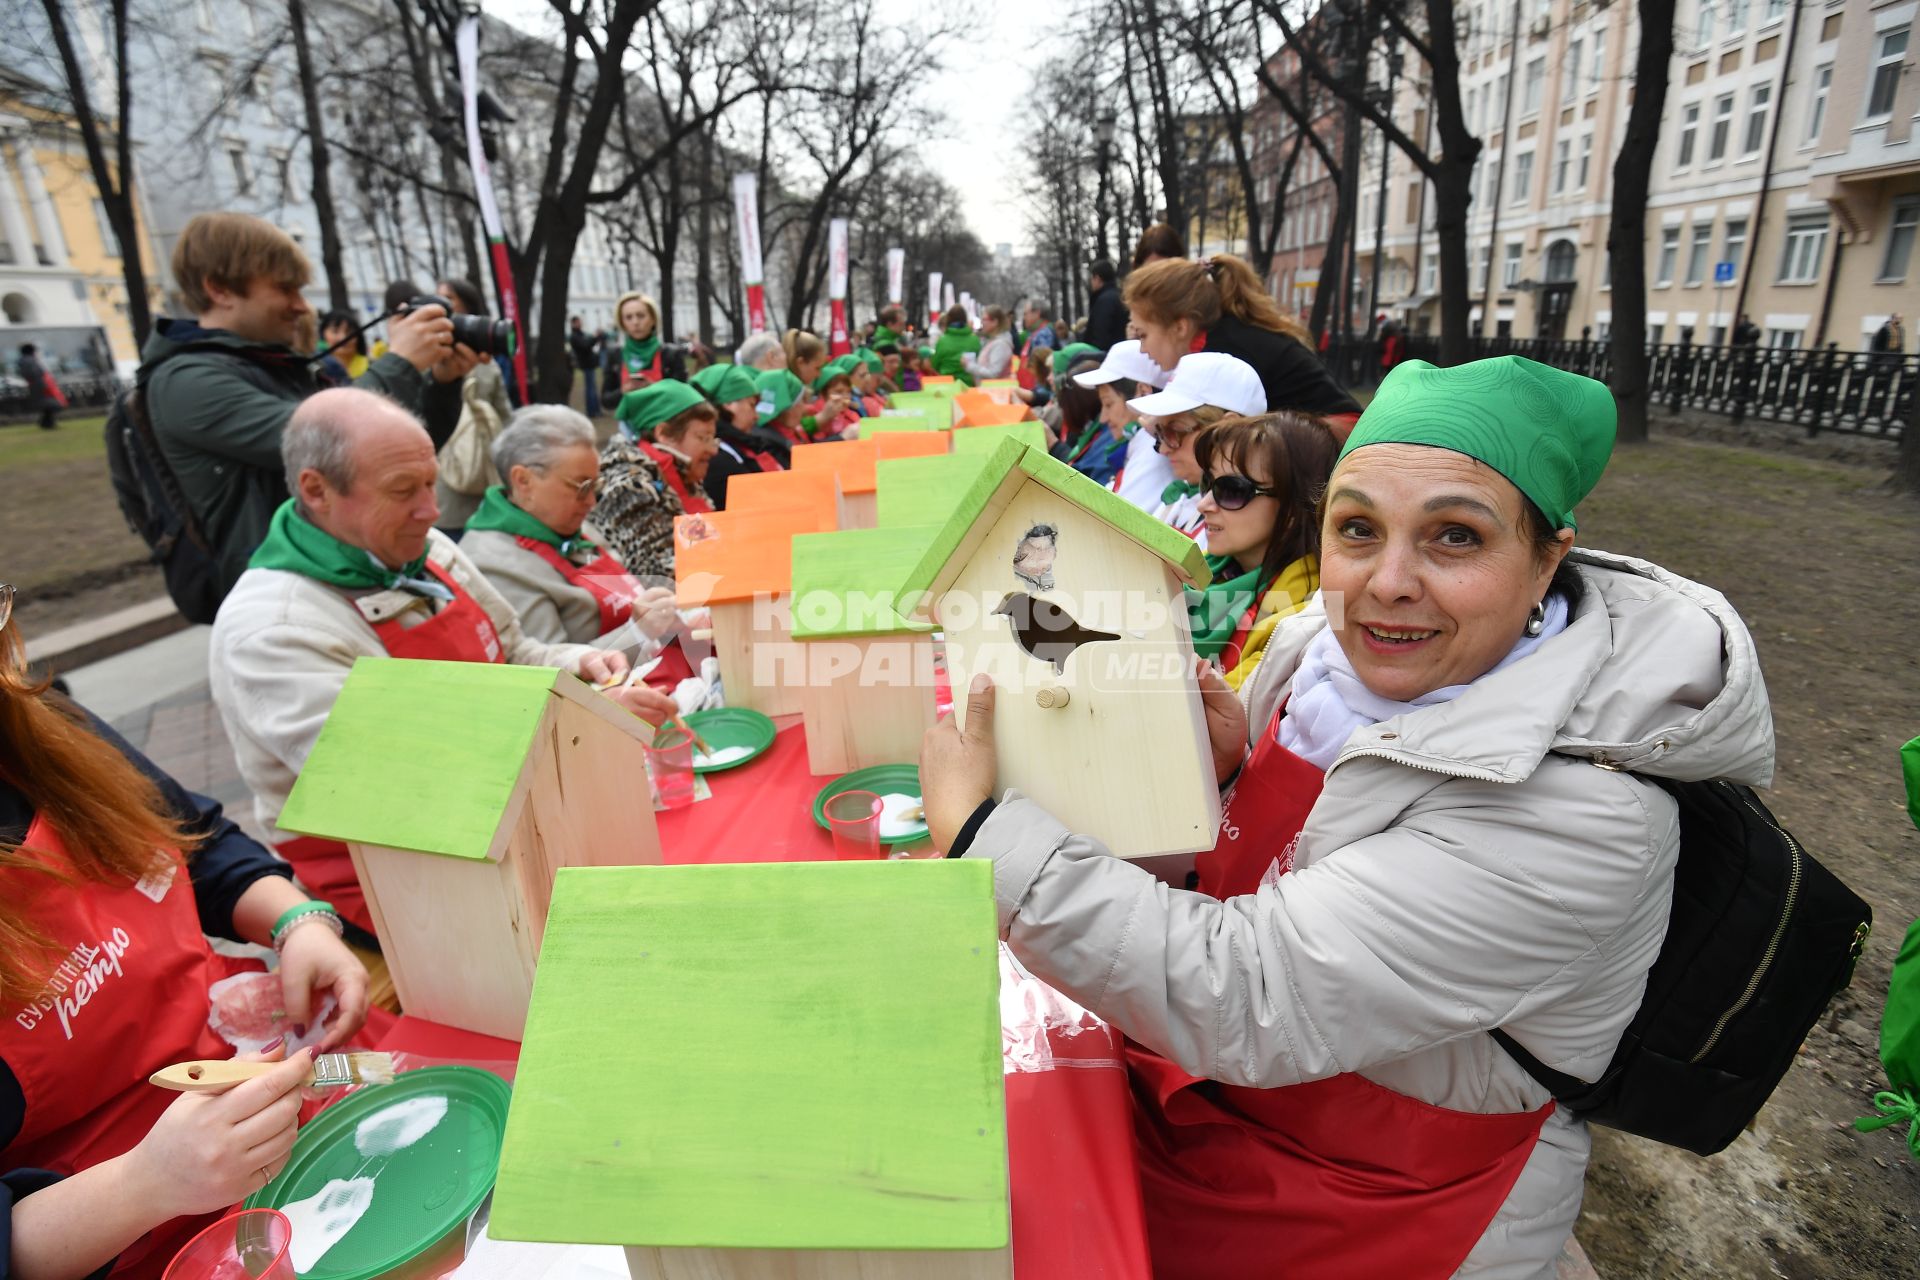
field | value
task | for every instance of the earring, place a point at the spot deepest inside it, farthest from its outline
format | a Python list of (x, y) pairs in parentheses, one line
[(1537, 618)]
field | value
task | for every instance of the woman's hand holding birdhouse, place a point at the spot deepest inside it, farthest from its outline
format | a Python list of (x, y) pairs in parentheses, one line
[(958, 766), (1226, 720)]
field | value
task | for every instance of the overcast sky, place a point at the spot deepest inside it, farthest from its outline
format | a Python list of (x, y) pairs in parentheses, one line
[(983, 91)]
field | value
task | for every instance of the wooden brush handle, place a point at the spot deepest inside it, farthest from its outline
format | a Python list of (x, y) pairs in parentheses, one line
[(199, 1077)]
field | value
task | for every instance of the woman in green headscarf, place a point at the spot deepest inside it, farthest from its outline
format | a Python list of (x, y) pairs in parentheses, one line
[(644, 358), (744, 446), (651, 470), (957, 340)]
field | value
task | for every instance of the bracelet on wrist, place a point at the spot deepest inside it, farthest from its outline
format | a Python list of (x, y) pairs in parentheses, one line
[(301, 913)]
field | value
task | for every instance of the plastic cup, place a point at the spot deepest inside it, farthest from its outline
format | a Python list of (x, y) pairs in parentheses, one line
[(249, 1245), (854, 819), (670, 765)]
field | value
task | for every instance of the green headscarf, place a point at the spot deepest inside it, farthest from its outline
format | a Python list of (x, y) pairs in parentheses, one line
[(839, 368), (725, 383), (647, 407), (1215, 613), (926, 353), (638, 353), (1548, 432), (295, 544), (872, 360), (498, 512), (779, 388), (1064, 358)]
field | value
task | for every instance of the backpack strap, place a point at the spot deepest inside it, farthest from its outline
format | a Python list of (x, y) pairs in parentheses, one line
[(1558, 1083)]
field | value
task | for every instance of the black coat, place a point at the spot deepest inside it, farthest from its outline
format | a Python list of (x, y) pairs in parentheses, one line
[(1106, 317), (723, 466), (1292, 374)]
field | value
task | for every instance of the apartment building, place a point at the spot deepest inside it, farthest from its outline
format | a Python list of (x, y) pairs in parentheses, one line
[(1307, 200)]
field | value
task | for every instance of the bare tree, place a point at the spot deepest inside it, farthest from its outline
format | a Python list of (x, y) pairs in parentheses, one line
[(330, 257), (1627, 233)]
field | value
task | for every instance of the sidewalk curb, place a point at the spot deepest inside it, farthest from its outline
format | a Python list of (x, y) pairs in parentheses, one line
[(84, 642)]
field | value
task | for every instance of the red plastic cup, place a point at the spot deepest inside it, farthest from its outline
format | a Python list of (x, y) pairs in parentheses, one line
[(854, 818), (249, 1245), (670, 765)]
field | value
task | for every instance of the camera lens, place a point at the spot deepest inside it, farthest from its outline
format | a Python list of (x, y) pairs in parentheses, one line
[(484, 334)]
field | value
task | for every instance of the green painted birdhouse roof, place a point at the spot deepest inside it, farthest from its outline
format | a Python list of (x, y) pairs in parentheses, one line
[(923, 490), (774, 1055), (918, 420), (426, 755), (987, 439), (847, 583)]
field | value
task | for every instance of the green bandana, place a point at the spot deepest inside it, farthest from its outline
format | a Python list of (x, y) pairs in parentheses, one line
[(725, 383), (1215, 613), (1064, 358), (1177, 490), (295, 544), (638, 353), (644, 409), (1548, 432), (498, 512), (779, 388)]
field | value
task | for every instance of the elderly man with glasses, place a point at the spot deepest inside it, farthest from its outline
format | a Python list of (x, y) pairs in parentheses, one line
[(352, 567)]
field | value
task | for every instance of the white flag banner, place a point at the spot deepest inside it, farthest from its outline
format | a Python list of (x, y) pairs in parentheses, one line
[(746, 215), (837, 258), (933, 292), (896, 276), (946, 295)]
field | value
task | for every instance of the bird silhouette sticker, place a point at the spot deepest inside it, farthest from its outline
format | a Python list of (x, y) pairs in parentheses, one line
[(1045, 631), (1033, 558)]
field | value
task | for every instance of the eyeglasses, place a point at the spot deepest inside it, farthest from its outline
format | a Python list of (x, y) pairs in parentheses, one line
[(581, 488), (1169, 439), (6, 603), (1230, 493)]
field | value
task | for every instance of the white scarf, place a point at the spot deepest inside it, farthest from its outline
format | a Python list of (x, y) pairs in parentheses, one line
[(1328, 703)]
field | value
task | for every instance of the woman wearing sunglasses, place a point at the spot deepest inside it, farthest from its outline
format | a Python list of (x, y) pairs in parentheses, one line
[(1205, 389), (1260, 481), (526, 538)]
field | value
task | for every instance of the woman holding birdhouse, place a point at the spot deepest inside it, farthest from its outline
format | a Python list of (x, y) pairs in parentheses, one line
[(1439, 821), (111, 876), (650, 472)]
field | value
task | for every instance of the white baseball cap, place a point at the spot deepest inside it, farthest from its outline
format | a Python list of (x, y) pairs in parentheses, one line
[(1207, 377), (1124, 360)]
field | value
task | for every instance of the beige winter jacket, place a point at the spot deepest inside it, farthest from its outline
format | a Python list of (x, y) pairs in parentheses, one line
[(550, 607), (282, 646), (1483, 863)]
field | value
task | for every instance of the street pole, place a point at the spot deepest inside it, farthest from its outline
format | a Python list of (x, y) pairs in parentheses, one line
[(1103, 157), (1380, 214), (1496, 253)]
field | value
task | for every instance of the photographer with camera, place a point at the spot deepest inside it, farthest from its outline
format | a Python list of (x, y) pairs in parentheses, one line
[(219, 388), (466, 459)]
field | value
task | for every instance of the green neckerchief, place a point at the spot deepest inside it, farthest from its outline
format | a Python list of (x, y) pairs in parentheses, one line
[(639, 352), (1177, 490), (498, 512), (1216, 612), (295, 544)]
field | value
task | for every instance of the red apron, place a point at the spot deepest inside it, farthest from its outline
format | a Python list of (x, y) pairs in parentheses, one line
[(1328, 1180), (630, 381), (603, 577), (670, 472), (460, 632), (129, 998)]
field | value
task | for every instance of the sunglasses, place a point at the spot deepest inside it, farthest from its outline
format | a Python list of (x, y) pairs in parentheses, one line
[(1169, 439), (1231, 493)]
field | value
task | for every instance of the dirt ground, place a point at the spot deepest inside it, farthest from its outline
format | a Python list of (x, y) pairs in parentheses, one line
[(1824, 565)]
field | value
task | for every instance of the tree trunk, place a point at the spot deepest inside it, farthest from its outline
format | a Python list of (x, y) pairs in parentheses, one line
[(703, 241), (1627, 234), (1906, 474), (337, 295), (1452, 176)]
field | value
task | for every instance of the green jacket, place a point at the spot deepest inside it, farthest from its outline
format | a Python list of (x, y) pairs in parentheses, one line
[(218, 409), (953, 344)]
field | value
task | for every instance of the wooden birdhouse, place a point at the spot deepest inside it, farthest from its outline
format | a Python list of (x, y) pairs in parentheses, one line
[(460, 788), (989, 413), (869, 693), (913, 444), (1069, 597), (915, 491), (739, 564), (777, 1071), (850, 463), (906, 421), (985, 439)]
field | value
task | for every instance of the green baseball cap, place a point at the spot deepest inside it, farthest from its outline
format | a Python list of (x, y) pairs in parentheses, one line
[(649, 406), (1547, 431), (779, 388), (725, 383)]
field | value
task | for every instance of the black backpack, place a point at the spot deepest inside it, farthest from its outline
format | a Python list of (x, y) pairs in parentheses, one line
[(156, 508), (1760, 939)]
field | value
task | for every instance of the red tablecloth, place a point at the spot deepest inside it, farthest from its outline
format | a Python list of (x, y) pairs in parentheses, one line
[(761, 811)]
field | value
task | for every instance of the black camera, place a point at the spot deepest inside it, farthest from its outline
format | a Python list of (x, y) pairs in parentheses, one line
[(487, 336)]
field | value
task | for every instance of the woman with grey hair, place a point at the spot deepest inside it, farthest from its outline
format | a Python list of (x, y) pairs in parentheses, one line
[(526, 538), (761, 351)]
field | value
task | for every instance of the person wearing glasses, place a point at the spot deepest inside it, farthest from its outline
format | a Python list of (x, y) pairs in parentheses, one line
[(1205, 389), (1261, 480), (1439, 821), (112, 876), (527, 539)]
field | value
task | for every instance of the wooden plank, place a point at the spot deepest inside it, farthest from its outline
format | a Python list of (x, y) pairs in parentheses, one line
[(848, 583), (740, 554), (817, 1264), (868, 700), (761, 666), (986, 439), (421, 755), (924, 490), (763, 490), (771, 1056), (917, 421), (992, 414), (852, 461), (913, 444)]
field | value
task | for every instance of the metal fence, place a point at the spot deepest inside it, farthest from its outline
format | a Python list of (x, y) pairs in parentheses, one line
[(84, 391), (1856, 392)]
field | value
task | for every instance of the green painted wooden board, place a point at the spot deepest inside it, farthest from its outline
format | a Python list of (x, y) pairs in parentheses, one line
[(923, 490), (987, 439), (774, 1055), (846, 583), (420, 755), (915, 421)]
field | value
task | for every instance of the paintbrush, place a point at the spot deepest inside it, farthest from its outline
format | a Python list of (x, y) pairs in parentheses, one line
[(330, 1070)]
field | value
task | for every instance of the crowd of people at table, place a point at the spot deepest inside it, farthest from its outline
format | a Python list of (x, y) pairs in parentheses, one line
[(1417, 848)]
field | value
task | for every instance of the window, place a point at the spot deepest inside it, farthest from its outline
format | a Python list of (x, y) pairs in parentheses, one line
[(109, 240), (237, 161), (1430, 272), (1817, 103), (1703, 29), (1586, 162), (1736, 17), (1562, 165), (1901, 230), (1689, 131), (1889, 52), (1698, 251), (1533, 86), (1805, 249), (1499, 95), (1510, 266), (1776, 10), (1522, 177), (1783, 339), (1733, 245), (1570, 72), (289, 177), (1482, 265), (1598, 66), (1669, 255), (1722, 127), (1655, 332), (1756, 135)]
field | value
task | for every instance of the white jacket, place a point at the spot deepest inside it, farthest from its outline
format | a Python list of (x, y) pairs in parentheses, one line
[(995, 358), (550, 607), (282, 646), (1466, 867)]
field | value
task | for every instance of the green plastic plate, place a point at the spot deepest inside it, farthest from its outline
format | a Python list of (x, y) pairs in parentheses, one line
[(423, 1190), (879, 779), (725, 727)]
